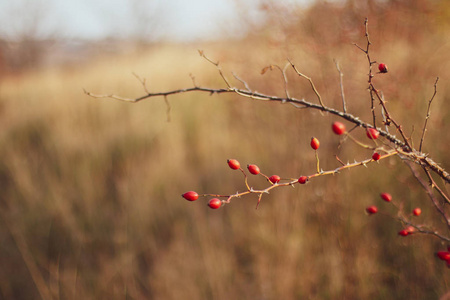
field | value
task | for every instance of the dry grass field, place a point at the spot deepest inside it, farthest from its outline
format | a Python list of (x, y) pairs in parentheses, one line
[(90, 204)]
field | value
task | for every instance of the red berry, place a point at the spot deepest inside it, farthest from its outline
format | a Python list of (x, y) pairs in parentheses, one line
[(274, 178), (372, 133), (376, 156), (315, 143), (444, 255), (386, 197), (417, 211), (303, 179), (372, 209), (214, 203), (234, 164), (191, 196), (383, 68), (338, 128), (403, 232), (254, 169), (410, 229), (407, 231)]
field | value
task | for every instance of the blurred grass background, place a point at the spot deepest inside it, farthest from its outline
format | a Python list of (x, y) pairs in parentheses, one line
[(90, 203)]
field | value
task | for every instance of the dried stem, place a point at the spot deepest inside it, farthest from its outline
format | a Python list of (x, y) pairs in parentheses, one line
[(202, 54), (247, 87), (341, 85), (317, 161), (310, 82), (428, 114), (283, 73), (169, 108)]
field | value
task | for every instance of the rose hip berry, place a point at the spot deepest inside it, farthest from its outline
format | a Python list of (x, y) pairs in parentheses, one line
[(410, 229), (372, 209), (303, 179), (407, 231), (338, 128), (254, 169), (190, 196), (372, 133), (233, 164), (382, 68), (386, 197), (214, 203), (403, 232), (444, 255), (274, 178), (315, 144), (376, 156), (417, 211)]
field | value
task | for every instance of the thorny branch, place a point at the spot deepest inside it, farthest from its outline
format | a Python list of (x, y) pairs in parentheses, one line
[(388, 119), (366, 51), (402, 148), (292, 181), (412, 154), (374, 92)]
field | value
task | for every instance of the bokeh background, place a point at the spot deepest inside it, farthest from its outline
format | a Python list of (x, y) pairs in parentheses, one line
[(90, 204)]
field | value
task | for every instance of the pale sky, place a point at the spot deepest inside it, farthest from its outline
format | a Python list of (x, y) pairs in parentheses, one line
[(156, 19)]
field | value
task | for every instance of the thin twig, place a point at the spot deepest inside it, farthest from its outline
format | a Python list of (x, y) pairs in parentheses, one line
[(202, 54), (169, 108), (310, 82), (390, 119), (436, 187), (193, 79), (428, 114), (366, 51), (247, 87), (285, 81), (142, 81), (317, 161), (283, 73), (339, 160), (341, 84), (385, 121)]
